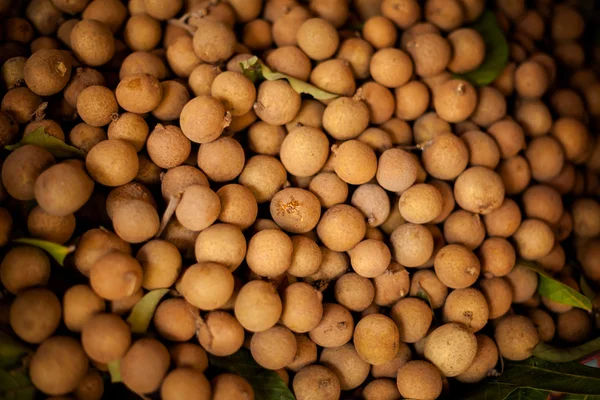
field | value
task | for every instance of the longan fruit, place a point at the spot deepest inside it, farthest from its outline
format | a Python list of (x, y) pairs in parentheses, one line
[(175, 97), (142, 32), (373, 202), (428, 126), (348, 366), (302, 307), (357, 53), (181, 56), (335, 328), (131, 128), (421, 203), (531, 80), (187, 382), (354, 292), (318, 38), (334, 76), (213, 41), (370, 258), (515, 173), (162, 11), (491, 107), (211, 156), (329, 189), (269, 253), (47, 72), (316, 382), (45, 226), (58, 365), (574, 326), (390, 368), (35, 314), (355, 162), (428, 281), (376, 339), (91, 387), (140, 93), (105, 337), (44, 16), (167, 146), (479, 190), (145, 365), (18, 30), (391, 67), (273, 348), (485, 360), (452, 348), (346, 118), (290, 60), (377, 139), (568, 103), (110, 12), (306, 257), (94, 244), (447, 200), (221, 243), (400, 12), (304, 151), (235, 91), (258, 306), (228, 386), (544, 324), (456, 266), (142, 62), (419, 379), (431, 54), (455, 100), (534, 239), (286, 27), (380, 32), (509, 137), (446, 157), (505, 82), (220, 334), (306, 354), (161, 264), (516, 336), (116, 275), (199, 208), (8, 128), (63, 189), (80, 303), (523, 282), (97, 106), (238, 206), (572, 135), (497, 257), (567, 23), (295, 210), (92, 42), (266, 139), (341, 227), (277, 103), (22, 168), (257, 35), (336, 11), (468, 50), (390, 162), (570, 53), (197, 278), (412, 100), (20, 103), (125, 304), (543, 202), (468, 307), (534, 116), (50, 127), (446, 15), (413, 318), (498, 294), (113, 162), (553, 261), (189, 355), (421, 247), (585, 217)]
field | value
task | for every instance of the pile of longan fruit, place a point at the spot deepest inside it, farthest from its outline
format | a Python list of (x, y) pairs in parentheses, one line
[(321, 235)]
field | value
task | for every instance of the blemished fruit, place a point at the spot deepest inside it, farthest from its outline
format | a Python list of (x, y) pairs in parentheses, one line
[(372, 198)]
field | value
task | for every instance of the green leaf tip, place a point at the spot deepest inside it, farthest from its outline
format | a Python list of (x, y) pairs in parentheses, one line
[(496, 51), (114, 369), (57, 251), (56, 147), (142, 312), (12, 351), (550, 353), (556, 290), (254, 70), (267, 384)]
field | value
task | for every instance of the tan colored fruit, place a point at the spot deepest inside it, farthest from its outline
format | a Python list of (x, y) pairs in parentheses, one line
[(376, 339), (413, 318), (419, 379), (516, 337), (452, 348)]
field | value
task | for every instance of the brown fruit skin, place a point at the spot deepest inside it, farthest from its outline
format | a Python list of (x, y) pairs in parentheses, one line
[(421, 203), (455, 100), (468, 307), (167, 146), (479, 190), (534, 239), (196, 279), (97, 106), (47, 72), (380, 32), (585, 217), (345, 362), (86, 136), (21, 169), (203, 119), (79, 304), (189, 355), (8, 129), (59, 353), (92, 42), (446, 157), (341, 227), (20, 103), (23, 267), (42, 225), (145, 365), (413, 318), (175, 320), (213, 41), (391, 67), (485, 360), (63, 189), (302, 307), (316, 382), (376, 339), (35, 314), (452, 348), (135, 221), (221, 334), (402, 13), (390, 162), (469, 50), (419, 379), (509, 136), (422, 240), (456, 266), (105, 337), (231, 386), (295, 210), (318, 38), (140, 93), (277, 103), (335, 328), (516, 337), (574, 326), (531, 80), (185, 383), (116, 275), (274, 348), (431, 54), (498, 294), (343, 83), (304, 151), (94, 244), (113, 162)]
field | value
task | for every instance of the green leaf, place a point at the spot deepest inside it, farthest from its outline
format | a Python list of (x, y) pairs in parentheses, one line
[(528, 394), (496, 51), (15, 385), (57, 251), (548, 352), (57, 148), (11, 351), (558, 291), (254, 69), (114, 369), (267, 384), (142, 312)]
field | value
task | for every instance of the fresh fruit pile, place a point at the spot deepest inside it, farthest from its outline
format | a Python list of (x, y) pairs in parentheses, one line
[(299, 199)]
